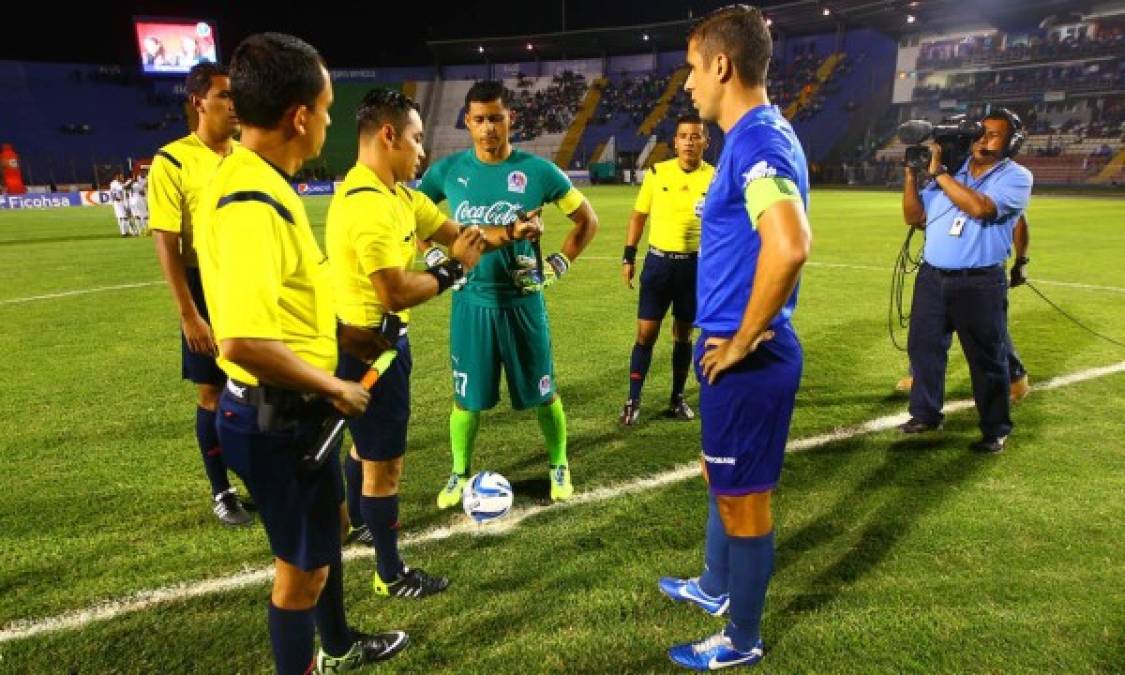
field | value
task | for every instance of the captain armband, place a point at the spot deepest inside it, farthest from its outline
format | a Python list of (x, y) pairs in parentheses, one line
[(763, 193)]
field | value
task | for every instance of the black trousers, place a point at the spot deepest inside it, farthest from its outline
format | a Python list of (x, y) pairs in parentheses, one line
[(975, 306)]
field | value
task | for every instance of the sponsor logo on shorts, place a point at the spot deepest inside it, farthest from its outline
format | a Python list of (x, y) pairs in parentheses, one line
[(719, 460), (544, 385), (517, 182)]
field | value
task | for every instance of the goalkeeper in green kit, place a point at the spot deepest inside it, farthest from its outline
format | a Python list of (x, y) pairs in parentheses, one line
[(499, 319)]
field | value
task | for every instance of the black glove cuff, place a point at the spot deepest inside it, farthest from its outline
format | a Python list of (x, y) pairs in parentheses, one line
[(630, 256), (447, 274)]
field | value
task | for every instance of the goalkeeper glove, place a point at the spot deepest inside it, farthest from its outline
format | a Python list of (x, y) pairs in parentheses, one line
[(527, 278)]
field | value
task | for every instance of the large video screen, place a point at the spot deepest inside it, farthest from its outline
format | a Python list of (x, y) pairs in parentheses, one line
[(173, 46)]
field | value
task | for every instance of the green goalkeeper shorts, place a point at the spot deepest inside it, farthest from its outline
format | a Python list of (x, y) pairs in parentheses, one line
[(516, 336)]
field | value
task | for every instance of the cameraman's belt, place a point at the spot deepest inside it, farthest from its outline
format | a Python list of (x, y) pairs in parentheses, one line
[(256, 395), (672, 255), (968, 271)]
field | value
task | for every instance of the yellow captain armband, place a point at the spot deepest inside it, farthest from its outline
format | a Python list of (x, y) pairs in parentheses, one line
[(762, 193), (570, 202)]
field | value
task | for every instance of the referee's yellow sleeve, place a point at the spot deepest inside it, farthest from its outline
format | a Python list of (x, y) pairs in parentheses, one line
[(427, 216), (165, 196), (250, 270), (644, 197), (374, 237)]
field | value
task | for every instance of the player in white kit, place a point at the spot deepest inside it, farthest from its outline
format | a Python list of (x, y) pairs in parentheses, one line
[(119, 199), (138, 203)]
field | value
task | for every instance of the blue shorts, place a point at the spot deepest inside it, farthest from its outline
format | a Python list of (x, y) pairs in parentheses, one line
[(199, 368), (745, 415), (300, 509), (667, 282), (380, 432)]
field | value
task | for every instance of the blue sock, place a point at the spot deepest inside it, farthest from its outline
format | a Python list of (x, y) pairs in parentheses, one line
[(681, 366), (751, 564), (381, 516), (713, 581), (331, 623), (207, 434), (638, 369), (291, 634), (353, 481)]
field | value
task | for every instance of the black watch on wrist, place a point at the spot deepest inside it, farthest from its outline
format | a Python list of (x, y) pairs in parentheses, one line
[(941, 171), (1022, 260)]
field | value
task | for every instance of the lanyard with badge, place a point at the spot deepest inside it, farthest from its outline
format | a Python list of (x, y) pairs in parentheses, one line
[(958, 225)]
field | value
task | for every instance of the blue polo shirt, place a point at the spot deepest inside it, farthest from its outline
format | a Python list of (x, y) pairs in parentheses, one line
[(979, 243), (763, 146)]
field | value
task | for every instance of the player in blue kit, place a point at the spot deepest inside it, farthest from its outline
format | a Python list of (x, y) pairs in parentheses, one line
[(754, 241)]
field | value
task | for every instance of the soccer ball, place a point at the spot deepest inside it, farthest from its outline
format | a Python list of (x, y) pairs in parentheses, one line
[(488, 496)]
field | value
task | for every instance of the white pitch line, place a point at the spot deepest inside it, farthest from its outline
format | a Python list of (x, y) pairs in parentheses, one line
[(26, 628), (876, 268), (83, 291)]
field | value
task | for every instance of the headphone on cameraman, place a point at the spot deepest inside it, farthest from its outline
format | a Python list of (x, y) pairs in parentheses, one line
[(1017, 137)]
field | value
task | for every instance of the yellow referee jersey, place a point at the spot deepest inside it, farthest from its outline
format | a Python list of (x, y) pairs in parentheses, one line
[(264, 275), (673, 199), (178, 174), (372, 227)]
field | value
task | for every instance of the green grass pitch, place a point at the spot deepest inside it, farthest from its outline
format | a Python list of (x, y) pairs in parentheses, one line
[(893, 555)]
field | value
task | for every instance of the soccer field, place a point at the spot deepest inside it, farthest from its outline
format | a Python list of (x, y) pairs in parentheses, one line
[(894, 555)]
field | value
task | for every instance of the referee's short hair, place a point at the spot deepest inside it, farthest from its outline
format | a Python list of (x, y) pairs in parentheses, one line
[(690, 118), (198, 80), (272, 72), (740, 32), (383, 106)]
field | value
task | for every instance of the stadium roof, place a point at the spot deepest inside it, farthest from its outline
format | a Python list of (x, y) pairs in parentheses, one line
[(789, 17)]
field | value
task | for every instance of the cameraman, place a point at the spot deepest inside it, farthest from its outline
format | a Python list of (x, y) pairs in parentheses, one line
[(969, 217)]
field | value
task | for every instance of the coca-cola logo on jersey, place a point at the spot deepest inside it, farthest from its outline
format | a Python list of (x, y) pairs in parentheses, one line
[(498, 213)]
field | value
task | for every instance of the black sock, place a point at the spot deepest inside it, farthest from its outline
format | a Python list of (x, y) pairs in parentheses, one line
[(208, 437), (681, 366), (331, 623), (381, 516), (638, 370), (291, 634), (353, 480)]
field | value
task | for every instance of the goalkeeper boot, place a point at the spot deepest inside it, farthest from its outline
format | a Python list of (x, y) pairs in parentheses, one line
[(714, 653), (561, 487), (450, 495), (366, 649), (410, 583), (688, 590), (229, 510), (630, 413), (678, 409)]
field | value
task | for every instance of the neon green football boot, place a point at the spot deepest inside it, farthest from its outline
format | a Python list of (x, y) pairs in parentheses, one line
[(561, 487), (450, 495)]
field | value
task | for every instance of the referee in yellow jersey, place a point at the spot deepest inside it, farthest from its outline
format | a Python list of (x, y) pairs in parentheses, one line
[(672, 194), (267, 285), (179, 172), (374, 223)]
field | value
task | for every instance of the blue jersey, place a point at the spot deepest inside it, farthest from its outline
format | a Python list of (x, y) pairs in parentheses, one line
[(761, 145)]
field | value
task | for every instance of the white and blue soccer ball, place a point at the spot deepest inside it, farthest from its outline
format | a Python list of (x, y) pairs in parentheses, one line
[(488, 496)]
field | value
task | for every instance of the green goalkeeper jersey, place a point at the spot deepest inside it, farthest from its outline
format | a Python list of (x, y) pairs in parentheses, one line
[(490, 195)]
